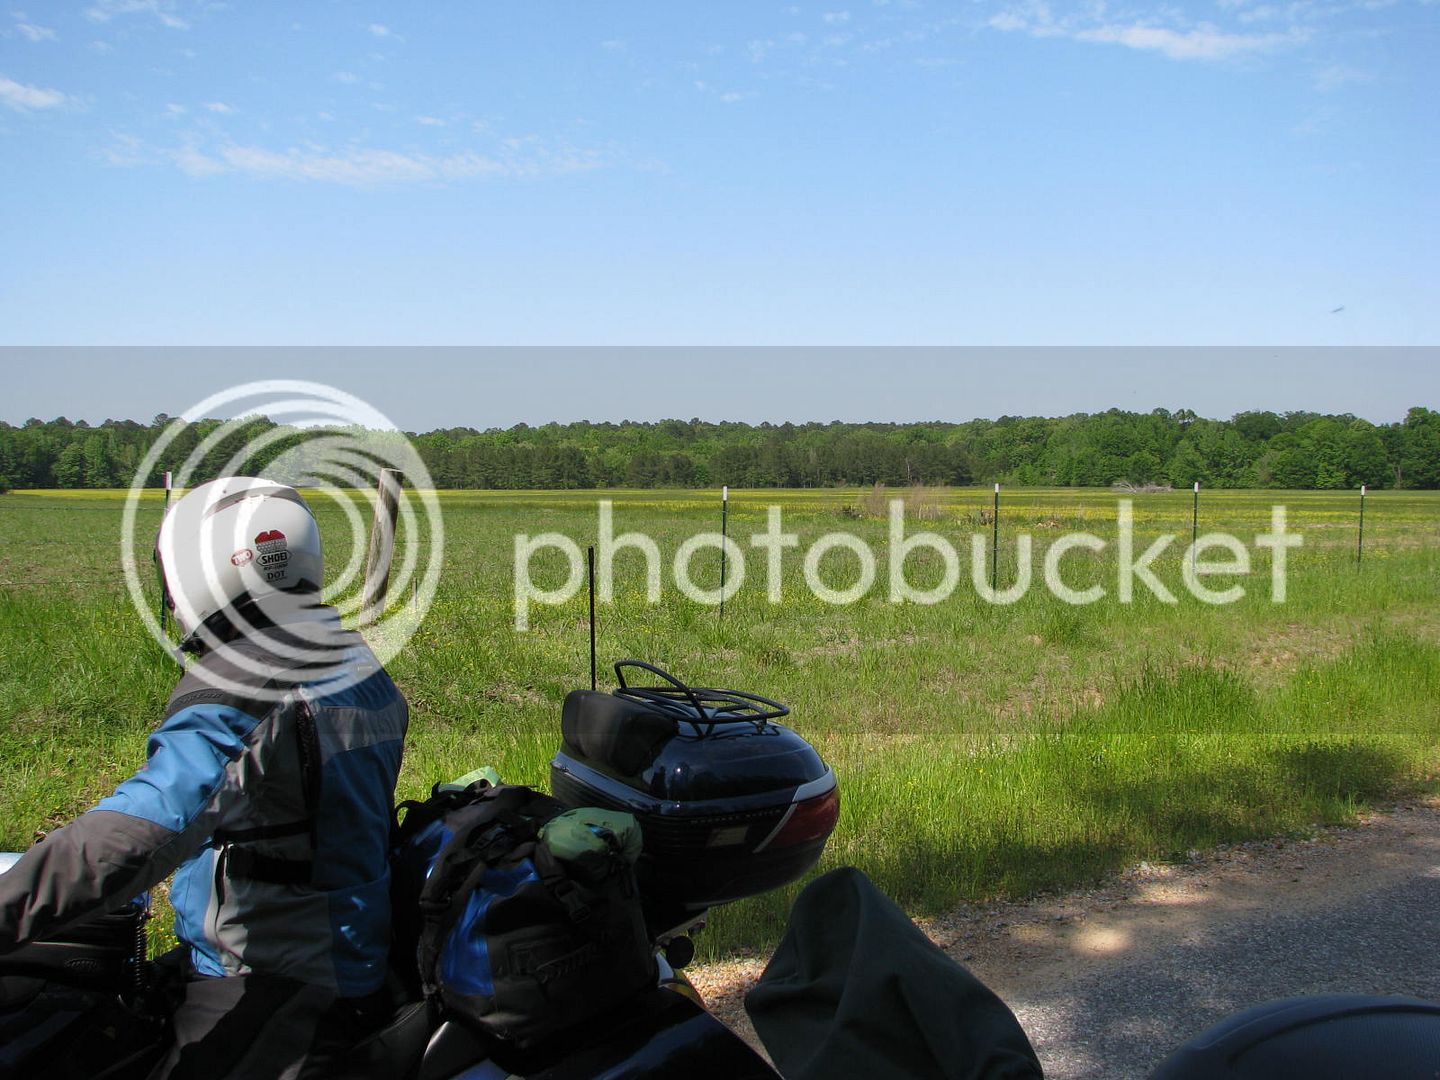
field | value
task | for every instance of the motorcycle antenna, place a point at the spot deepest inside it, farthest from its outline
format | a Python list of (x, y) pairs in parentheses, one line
[(590, 561), (724, 535)]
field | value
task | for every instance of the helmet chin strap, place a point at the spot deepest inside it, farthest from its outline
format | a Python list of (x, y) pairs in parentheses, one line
[(218, 629), (221, 629)]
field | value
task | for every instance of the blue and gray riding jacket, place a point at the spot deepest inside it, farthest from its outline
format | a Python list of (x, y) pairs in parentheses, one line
[(268, 792)]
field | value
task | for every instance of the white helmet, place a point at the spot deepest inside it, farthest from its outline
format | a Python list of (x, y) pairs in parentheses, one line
[(233, 538)]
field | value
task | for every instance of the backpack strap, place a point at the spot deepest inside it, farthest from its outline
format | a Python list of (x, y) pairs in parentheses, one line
[(562, 886), (250, 864), (243, 862), (412, 815)]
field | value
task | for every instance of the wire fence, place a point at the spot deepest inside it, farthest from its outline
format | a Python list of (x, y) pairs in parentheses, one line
[(459, 553), (37, 582)]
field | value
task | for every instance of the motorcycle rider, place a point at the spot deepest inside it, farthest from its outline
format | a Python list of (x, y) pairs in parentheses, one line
[(267, 790)]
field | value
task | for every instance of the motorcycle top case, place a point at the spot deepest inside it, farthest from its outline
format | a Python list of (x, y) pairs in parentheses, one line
[(731, 804), (529, 919)]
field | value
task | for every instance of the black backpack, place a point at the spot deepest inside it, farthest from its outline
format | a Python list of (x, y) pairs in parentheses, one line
[(508, 936)]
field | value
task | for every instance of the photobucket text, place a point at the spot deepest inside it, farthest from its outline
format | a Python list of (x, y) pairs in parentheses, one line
[(1210, 566)]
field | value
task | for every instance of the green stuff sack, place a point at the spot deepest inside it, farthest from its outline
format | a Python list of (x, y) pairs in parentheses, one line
[(589, 836), (530, 918)]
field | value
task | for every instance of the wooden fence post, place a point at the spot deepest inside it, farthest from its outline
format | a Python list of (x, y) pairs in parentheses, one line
[(382, 547), (995, 541), (1360, 540), (164, 585)]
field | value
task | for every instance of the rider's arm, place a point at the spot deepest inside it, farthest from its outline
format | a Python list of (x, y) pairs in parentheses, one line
[(195, 763)]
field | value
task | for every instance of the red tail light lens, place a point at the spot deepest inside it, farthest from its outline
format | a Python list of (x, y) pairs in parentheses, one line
[(808, 821)]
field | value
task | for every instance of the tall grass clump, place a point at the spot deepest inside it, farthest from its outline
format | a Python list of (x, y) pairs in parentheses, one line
[(1173, 762)]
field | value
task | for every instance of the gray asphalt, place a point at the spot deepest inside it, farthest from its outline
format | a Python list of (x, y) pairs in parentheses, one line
[(1124, 1020)]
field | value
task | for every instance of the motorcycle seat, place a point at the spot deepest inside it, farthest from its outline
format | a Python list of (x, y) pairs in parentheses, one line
[(395, 1050), (616, 733)]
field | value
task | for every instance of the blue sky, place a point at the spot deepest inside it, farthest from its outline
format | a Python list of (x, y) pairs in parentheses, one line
[(1007, 171)]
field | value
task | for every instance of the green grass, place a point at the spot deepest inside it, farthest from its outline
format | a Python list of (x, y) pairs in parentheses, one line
[(983, 751)]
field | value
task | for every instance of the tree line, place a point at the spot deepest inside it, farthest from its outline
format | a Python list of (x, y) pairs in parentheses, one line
[(1250, 450)]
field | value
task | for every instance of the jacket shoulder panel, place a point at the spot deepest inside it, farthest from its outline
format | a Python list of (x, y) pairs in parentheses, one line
[(186, 765)]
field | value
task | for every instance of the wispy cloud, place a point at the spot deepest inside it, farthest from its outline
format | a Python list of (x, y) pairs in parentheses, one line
[(367, 168), (429, 121), (349, 78), (379, 29), (193, 163), (356, 168), (31, 31), (162, 10), (729, 97), (23, 98), (1178, 41), (1317, 121), (1337, 75), (220, 107), (527, 157), (1203, 42), (836, 39)]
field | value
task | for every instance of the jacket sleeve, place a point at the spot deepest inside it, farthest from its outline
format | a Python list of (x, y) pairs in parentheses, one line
[(140, 834)]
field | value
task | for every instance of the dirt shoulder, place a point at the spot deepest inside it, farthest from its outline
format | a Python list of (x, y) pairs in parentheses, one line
[(1107, 981)]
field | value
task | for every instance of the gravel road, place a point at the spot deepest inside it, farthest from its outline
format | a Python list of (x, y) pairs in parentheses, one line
[(1108, 981)]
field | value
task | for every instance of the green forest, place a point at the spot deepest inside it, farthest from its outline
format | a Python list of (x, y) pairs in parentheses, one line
[(1249, 450)]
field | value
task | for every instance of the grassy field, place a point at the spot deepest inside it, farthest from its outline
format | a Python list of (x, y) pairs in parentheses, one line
[(983, 751)]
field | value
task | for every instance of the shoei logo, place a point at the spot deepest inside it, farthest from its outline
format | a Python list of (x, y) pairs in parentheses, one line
[(251, 559)]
